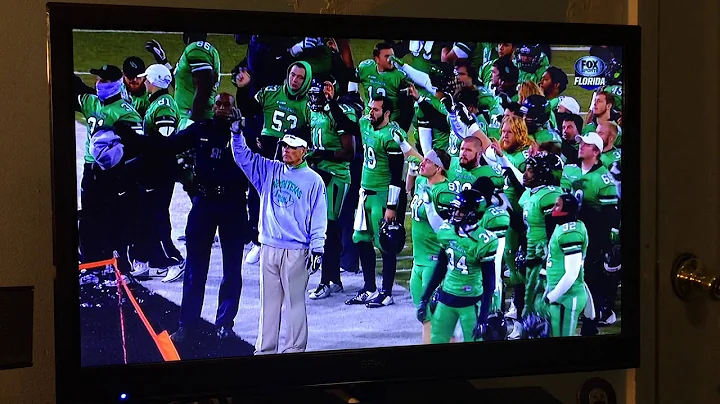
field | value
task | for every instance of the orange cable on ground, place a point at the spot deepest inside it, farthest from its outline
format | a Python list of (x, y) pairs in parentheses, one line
[(162, 341)]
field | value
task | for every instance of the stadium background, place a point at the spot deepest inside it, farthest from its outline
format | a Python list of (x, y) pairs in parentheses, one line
[(93, 49)]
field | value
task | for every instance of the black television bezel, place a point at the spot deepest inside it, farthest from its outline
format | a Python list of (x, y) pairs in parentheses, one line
[(232, 375)]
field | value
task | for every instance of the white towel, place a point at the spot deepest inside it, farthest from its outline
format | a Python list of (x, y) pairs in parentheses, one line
[(360, 221)]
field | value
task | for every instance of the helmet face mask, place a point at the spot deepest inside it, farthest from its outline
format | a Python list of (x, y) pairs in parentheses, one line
[(466, 209), (316, 96), (546, 169), (527, 57), (535, 108)]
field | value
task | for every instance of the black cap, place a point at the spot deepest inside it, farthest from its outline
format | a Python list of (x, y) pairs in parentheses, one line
[(133, 66), (108, 72)]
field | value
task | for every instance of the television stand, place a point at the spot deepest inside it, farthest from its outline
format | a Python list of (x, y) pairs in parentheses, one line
[(417, 392)]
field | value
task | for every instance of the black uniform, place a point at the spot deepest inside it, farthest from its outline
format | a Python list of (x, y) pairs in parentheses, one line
[(220, 204)]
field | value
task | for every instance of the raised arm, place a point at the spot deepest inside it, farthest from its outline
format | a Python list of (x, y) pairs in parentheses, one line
[(255, 167)]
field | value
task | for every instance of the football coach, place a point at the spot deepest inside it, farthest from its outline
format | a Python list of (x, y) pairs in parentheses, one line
[(293, 222)]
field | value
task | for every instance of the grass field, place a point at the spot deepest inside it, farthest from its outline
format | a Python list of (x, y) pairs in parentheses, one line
[(94, 49)]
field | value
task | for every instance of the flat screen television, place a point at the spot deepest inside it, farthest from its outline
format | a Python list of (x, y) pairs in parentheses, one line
[(494, 168)]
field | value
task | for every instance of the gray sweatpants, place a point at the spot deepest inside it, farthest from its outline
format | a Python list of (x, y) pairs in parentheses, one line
[(283, 280)]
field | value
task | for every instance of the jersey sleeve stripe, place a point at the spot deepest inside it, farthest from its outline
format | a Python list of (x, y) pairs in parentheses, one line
[(608, 200), (395, 153), (197, 69)]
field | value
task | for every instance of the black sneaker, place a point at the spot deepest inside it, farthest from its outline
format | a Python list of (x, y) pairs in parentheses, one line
[(382, 299), (363, 296), (182, 334), (225, 332), (322, 291)]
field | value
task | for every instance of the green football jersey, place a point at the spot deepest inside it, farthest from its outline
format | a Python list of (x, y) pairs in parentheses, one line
[(326, 136), (486, 101), (519, 160), (495, 220), (594, 188), (425, 242), (141, 103), (567, 239), (462, 179), (537, 203), (380, 83), (536, 75), (162, 116), (465, 256), (610, 156), (546, 136), (424, 55), (490, 51), (196, 57), (320, 60), (280, 112), (97, 114), (378, 145), (592, 127)]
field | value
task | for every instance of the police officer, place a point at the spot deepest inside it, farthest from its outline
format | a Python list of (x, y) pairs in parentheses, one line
[(220, 204)]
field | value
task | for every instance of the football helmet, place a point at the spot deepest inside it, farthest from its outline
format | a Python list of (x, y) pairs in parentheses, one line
[(496, 327), (536, 110), (316, 96), (444, 78), (613, 73), (391, 237), (547, 169), (467, 208), (536, 326), (527, 57)]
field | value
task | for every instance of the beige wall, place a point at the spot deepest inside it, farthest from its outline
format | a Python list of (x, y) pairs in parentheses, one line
[(25, 209)]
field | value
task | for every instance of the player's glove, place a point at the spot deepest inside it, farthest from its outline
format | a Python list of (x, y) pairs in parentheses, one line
[(479, 330), (464, 114), (314, 263), (307, 43), (157, 51), (615, 236), (422, 311), (448, 102)]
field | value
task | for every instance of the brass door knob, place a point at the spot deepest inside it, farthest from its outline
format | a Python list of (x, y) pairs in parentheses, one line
[(690, 280)]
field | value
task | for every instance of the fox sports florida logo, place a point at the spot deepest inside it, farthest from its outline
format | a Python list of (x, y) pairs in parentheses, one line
[(589, 72)]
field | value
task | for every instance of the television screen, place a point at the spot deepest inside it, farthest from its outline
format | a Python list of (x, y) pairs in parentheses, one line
[(411, 192)]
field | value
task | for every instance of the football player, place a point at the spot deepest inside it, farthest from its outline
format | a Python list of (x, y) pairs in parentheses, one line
[(487, 105), (566, 293), (196, 74), (380, 77), (430, 187), (608, 133), (431, 114), (382, 197), (495, 219), (553, 83), (161, 119), (602, 111), (542, 180), (332, 127), (536, 111), (505, 78), (571, 127), (466, 269), (531, 61), (593, 186), (512, 153), (471, 165), (133, 67), (485, 74), (101, 108)]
